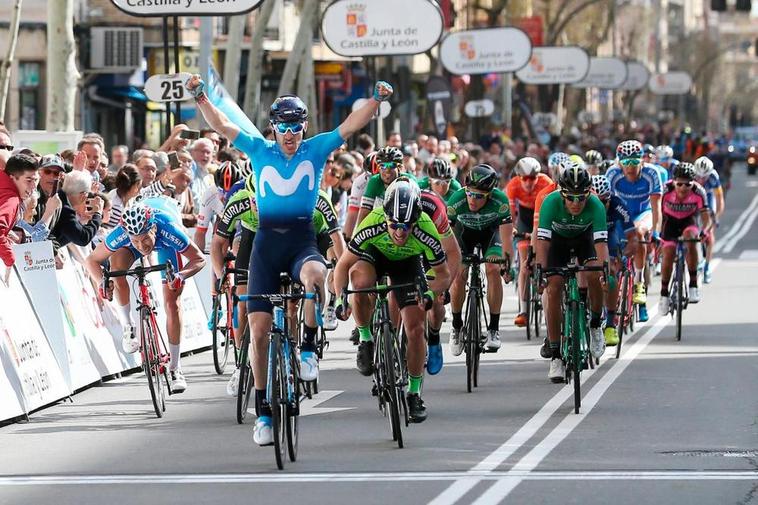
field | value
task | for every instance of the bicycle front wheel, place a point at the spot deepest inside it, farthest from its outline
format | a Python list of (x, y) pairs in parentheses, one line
[(528, 309), (151, 362), (576, 354), (472, 336), (679, 276), (277, 400), (624, 312), (390, 386), (245, 385)]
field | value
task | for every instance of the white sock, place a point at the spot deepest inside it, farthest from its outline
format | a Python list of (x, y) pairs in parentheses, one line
[(126, 313), (175, 355), (638, 276)]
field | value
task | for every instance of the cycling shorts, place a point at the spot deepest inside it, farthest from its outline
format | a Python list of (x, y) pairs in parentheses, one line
[(674, 228), (644, 219), (399, 272), (562, 249), (487, 240)]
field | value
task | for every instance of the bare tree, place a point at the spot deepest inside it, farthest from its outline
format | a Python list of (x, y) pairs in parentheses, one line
[(234, 54), (62, 74), (5, 69), (251, 102), (303, 41)]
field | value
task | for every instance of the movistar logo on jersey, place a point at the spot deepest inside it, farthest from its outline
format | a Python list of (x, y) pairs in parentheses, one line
[(271, 179)]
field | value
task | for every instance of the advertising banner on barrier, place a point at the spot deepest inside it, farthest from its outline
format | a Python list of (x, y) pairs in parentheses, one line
[(386, 28), (484, 51), (29, 352), (671, 83), (555, 65), (195, 333), (604, 73)]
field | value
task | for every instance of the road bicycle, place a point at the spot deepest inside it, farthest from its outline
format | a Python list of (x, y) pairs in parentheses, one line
[(223, 321), (626, 312), (284, 389), (473, 340), (153, 349), (575, 335), (390, 371), (678, 295)]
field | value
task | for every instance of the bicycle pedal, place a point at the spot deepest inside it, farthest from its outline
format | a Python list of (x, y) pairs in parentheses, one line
[(374, 390)]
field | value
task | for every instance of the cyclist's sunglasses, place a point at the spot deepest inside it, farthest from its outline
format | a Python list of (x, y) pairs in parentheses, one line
[(476, 195), (390, 165), (631, 162), (684, 184), (574, 197), (439, 181), (399, 226), (295, 127)]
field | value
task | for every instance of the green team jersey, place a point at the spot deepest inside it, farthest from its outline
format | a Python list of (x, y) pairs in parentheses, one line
[(373, 197), (555, 219), (240, 207), (495, 212), (372, 233), (426, 183)]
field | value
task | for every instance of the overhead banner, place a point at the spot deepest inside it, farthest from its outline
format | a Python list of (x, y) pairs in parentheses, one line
[(160, 8), (386, 28), (637, 76), (604, 73), (555, 65), (671, 83), (485, 51), (439, 97)]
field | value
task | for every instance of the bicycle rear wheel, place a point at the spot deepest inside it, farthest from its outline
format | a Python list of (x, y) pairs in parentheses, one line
[(277, 400), (222, 331), (151, 362), (536, 309), (390, 377), (293, 403), (528, 308), (245, 385)]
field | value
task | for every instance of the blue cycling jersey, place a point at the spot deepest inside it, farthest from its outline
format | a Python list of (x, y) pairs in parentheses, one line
[(287, 188), (662, 172), (170, 234), (710, 182), (617, 214), (635, 194), (240, 184)]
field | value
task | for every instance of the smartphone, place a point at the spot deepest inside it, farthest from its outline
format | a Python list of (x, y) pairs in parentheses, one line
[(173, 160), (190, 134), (88, 202)]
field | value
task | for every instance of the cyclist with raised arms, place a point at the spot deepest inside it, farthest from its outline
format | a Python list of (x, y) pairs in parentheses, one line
[(709, 179), (572, 224), (481, 217), (639, 187), (440, 179), (394, 241), (154, 224), (683, 201), (287, 173), (620, 226), (522, 193)]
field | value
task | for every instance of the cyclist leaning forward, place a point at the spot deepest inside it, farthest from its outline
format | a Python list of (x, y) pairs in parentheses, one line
[(481, 217), (683, 201), (287, 172), (638, 184), (394, 240), (154, 224), (522, 192), (572, 224)]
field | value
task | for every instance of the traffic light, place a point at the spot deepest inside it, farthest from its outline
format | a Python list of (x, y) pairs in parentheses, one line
[(743, 6), (718, 5)]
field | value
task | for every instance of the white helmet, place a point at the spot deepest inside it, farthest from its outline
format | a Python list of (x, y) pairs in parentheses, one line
[(601, 186), (664, 153), (703, 166), (528, 167)]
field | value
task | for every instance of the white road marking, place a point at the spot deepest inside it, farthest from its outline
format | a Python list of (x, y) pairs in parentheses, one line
[(310, 407), (749, 254), (188, 479), (737, 226), (743, 231)]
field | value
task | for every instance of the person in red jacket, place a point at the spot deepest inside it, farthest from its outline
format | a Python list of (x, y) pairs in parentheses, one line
[(17, 182)]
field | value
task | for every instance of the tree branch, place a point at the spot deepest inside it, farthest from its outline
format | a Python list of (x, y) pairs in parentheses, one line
[(565, 21)]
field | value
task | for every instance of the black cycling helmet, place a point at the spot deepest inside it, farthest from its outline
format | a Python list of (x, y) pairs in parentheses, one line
[(482, 177), (388, 154), (227, 175), (605, 165), (648, 150), (402, 201), (685, 170), (593, 157), (439, 168), (575, 180), (369, 163), (288, 109)]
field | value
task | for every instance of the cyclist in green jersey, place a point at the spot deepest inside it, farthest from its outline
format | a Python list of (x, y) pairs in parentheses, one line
[(440, 179), (481, 216), (394, 241), (572, 223), (390, 163)]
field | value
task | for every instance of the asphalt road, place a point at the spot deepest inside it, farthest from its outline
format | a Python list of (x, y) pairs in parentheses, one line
[(670, 422)]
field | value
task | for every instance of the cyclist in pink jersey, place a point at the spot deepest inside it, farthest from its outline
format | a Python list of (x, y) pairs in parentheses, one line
[(682, 202)]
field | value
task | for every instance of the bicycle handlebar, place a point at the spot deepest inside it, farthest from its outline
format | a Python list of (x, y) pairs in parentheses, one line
[(473, 259), (278, 297), (384, 288), (139, 271)]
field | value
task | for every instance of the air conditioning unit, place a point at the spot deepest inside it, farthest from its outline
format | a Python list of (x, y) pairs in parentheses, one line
[(116, 49)]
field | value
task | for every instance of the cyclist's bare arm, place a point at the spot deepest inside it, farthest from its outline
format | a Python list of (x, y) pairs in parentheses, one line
[(360, 117), (362, 213), (338, 242), (655, 204), (601, 250), (196, 261), (94, 262), (219, 246), (706, 217), (540, 250), (453, 254), (720, 202), (506, 237), (342, 270), (350, 221), (441, 279), (214, 117)]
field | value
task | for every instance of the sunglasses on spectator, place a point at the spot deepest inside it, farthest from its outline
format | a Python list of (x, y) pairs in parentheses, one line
[(295, 127), (476, 195), (391, 165), (399, 226), (575, 198), (7, 148), (631, 162), (687, 184)]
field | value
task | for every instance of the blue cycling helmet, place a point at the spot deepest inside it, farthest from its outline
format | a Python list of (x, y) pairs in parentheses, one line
[(555, 160), (288, 109)]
